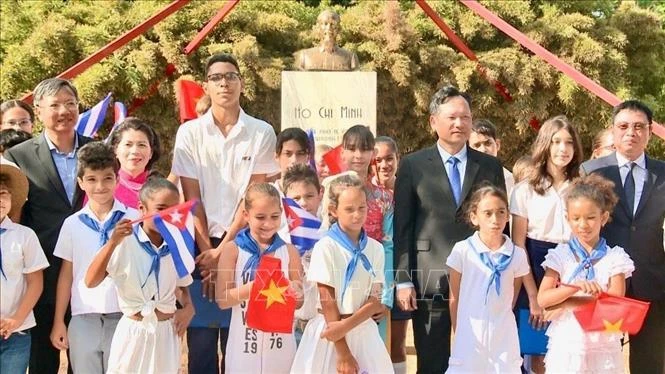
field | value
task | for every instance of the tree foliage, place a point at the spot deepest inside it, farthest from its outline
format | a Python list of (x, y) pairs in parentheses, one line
[(619, 45)]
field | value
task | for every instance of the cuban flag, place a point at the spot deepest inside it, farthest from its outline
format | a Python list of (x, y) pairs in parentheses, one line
[(176, 225), (303, 226), (119, 114), (90, 121)]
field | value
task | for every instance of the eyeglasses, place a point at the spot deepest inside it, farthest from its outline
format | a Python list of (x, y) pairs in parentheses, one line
[(230, 77), (637, 126), (20, 123), (69, 106)]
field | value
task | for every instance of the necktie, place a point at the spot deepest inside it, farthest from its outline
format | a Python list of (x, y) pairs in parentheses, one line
[(2, 231), (586, 260), (629, 188), (496, 269), (245, 242), (454, 178), (105, 229), (155, 256), (343, 239)]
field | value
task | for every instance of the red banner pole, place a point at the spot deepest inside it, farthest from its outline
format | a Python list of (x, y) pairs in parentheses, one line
[(466, 51), (194, 44), (111, 47), (550, 58)]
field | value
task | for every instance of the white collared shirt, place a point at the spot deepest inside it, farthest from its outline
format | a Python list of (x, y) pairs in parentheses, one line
[(639, 174), (461, 165), (223, 165), (78, 244), (129, 267), (545, 214), (21, 254)]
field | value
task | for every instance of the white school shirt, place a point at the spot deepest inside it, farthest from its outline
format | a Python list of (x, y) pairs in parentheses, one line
[(546, 214), (486, 336), (78, 244), (639, 175), (129, 266), (510, 181), (223, 165), (21, 254), (328, 266)]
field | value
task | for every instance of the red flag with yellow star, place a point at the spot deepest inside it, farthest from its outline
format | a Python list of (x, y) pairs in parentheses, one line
[(612, 314), (272, 303)]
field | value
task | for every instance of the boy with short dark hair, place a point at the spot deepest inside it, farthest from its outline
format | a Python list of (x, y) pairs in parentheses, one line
[(95, 311), (483, 138), (22, 262), (302, 185)]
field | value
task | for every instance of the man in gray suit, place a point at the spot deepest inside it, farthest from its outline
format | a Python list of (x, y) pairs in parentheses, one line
[(637, 225), (430, 189), (49, 162)]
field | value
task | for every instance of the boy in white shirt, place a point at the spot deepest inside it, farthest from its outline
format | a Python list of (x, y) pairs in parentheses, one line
[(95, 311), (301, 184), (22, 261)]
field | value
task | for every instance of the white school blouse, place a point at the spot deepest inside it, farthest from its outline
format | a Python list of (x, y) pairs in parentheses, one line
[(129, 266), (546, 214), (78, 244), (486, 336), (328, 266), (21, 254), (223, 165)]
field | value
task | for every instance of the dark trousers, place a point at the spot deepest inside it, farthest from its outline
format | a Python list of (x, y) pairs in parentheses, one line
[(202, 346), (431, 335), (44, 358), (647, 348), (202, 343)]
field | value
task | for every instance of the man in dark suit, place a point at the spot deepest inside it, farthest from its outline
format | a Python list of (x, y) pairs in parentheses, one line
[(430, 189), (49, 162), (637, 225)]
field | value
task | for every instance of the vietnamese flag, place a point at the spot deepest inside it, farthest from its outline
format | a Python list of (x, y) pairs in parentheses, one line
[(188, 94), (612, 314), (272, 303), (333, 159)]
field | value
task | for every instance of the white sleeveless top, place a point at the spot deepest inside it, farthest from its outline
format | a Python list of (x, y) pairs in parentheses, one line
[(254, 351)]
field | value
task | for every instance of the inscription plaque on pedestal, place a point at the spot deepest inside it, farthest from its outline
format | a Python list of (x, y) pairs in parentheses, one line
[(328, 102)]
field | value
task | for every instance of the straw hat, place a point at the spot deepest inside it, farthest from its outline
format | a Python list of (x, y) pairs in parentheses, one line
[(17, 183)]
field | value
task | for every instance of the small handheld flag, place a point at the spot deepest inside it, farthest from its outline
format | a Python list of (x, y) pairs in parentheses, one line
[(333, 159), (188, 94), (119, 115), (303, 226), (612, 314), (90, 121), (176, 225), (272, 304)]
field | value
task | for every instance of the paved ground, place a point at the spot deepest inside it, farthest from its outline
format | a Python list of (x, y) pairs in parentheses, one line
[(410, 361)]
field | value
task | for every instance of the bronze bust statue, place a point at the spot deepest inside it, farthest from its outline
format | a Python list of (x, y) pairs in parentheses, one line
[(327, 56)]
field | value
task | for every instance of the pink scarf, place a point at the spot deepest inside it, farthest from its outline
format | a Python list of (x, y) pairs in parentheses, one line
[(127, 191)]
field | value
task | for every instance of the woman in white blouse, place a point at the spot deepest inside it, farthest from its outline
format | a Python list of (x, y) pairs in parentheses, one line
[(538, 210)]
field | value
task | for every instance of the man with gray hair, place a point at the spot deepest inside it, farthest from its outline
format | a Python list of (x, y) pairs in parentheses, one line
[(49, 162)]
